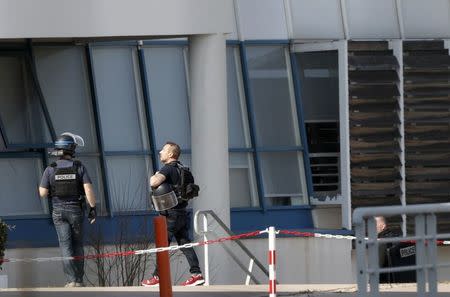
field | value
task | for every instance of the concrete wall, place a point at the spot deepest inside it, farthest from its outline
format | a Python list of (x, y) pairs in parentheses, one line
[(104, 18), (243, 19), (299, 261)]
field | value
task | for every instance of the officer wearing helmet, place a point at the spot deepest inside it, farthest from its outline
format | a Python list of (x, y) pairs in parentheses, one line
[(66, 181)]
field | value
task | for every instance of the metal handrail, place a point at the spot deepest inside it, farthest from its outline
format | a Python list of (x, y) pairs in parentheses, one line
[(205, 231), (425, 237)]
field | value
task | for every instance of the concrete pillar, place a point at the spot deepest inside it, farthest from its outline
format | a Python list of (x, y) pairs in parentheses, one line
[(209, 130)]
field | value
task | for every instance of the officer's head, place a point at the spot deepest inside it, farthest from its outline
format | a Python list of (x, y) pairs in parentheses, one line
[(381, 223), (170, 152), (66, 144)]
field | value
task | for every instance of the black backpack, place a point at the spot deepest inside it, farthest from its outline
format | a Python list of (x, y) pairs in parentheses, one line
[(186, 188)]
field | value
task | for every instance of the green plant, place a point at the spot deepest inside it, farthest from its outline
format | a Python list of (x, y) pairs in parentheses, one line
[(3, 238)]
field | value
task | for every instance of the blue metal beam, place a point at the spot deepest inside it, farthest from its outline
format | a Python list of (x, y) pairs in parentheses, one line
[(252, 124), (301, 124), (148, 106), (98, 128), (34, 75)]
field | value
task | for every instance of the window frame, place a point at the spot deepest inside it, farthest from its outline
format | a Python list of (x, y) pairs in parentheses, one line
[(298, 123), (25, 51), (239, 216), (344, 136)]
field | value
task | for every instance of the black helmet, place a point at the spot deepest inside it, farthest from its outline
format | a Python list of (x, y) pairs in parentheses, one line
[(162, 189), (65, 143), (163, 197)]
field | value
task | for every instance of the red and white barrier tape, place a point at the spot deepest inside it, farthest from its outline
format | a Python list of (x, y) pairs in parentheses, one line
[(189, 245), (317, 235), (135, 252)]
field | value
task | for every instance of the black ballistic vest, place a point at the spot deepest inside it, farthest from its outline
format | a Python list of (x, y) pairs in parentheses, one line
[(66, 182)]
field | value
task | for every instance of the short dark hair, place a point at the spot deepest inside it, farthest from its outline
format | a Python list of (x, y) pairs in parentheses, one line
[(174, 149)]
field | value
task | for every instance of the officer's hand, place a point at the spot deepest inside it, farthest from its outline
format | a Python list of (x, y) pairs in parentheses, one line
[(92, 214)]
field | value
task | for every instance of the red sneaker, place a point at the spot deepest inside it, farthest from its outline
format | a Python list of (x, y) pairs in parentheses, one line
[(194, 280), (152, 282)]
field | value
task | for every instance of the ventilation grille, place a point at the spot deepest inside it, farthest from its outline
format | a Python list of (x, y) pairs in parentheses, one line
[(374, 120)]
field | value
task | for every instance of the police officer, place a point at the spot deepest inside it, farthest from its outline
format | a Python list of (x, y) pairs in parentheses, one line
[(66, 181), (177, 217)]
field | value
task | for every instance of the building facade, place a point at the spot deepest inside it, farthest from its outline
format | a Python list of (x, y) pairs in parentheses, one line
[(290, 113)]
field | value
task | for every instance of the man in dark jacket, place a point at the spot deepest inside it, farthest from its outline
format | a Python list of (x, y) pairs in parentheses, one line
[(177, 217), (395, 254)]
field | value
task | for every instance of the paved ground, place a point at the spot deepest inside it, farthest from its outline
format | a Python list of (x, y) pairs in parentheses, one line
[(398, 290)]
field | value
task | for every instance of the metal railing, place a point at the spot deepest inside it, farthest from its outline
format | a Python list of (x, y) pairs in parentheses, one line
[(206, 233), (368, 267)]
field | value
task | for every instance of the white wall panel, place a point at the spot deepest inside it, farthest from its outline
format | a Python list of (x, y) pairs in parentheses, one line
[(262, 19), (426, 19), (104, 18), (316, 19), (372, 19)]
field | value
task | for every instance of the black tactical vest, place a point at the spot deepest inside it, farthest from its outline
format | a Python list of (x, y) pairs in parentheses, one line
[(66, 182)]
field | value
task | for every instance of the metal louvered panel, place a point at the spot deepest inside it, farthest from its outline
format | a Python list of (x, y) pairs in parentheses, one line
[(427, 121), (374, 119), (373, 77)]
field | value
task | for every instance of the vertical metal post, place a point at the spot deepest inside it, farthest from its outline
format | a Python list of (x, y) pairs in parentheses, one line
[(344, 132), (301, 125), (206, 259), (147, 104), (252, 124), (98, 128), (431, 254), (272, 262), (374, 276), (250, 268), (420, 254), (162, 258), (397, 47), (361, 259)]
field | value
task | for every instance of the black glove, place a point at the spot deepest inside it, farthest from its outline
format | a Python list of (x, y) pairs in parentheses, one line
[(92, 214)]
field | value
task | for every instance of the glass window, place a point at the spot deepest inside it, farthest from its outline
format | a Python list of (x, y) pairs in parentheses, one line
[(276, 126), (19, 194), (319, 85), (2, 142), (273, 103), (65, 85), (241, 172), (119, 98), (20, 108), (166, 74), (237, 112), (319, 82), (242, 181), (128, 182), (283, 178)]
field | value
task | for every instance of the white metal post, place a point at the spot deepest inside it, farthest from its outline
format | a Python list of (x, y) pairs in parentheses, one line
[(344, 132), (360, 232), (397, 47), (272, 262), (374, 266), (250, 268), (431, 251), (420, 254), (205, 230)]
